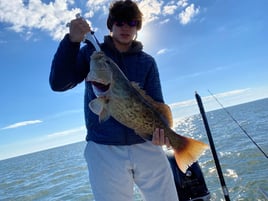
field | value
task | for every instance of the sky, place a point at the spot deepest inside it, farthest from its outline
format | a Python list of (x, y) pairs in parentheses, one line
[(208, 46)]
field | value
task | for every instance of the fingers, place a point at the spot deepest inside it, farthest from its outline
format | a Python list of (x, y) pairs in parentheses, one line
[(156, 137), (159, 138), (78, 28)]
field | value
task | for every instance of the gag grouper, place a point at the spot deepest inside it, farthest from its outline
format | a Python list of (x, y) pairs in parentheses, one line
[(129, 105)]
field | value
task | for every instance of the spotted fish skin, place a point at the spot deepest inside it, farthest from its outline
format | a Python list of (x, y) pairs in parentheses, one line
[(129, 105)]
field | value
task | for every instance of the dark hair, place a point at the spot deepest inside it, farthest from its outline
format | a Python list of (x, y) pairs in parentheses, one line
[(124, 10)]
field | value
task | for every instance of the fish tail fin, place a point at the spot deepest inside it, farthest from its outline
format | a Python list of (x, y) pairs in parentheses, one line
[(188, 151)]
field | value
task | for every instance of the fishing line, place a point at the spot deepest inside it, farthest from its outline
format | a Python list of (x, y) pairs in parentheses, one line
[(244, 131)]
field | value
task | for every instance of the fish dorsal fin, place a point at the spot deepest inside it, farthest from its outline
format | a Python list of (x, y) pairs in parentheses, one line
[(162, 108)]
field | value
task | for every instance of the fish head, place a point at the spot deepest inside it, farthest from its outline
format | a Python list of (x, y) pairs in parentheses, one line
[(100, 74)]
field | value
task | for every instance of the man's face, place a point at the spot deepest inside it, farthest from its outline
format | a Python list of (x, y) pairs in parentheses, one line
[(124, 31)]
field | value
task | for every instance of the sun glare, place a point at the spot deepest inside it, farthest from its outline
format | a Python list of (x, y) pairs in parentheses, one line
[(146, 38)]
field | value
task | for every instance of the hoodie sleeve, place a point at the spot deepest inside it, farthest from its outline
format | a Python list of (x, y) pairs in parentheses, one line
[(153, 84), (69, 66)]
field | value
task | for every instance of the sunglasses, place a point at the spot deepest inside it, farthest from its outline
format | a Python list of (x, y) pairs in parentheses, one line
[(131, 23)]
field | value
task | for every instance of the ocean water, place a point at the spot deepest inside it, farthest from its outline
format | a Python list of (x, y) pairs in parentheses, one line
[(61, 173)]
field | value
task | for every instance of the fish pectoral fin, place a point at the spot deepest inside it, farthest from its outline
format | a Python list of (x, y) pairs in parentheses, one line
[(97, 106), (104, 115)]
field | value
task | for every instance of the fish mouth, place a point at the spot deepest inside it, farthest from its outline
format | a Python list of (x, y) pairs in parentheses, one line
[(99, 88)]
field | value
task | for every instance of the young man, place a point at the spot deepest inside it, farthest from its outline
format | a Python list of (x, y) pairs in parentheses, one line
[(116, 156)]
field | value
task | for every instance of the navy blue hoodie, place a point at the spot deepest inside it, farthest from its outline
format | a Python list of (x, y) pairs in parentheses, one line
[(70, 66)]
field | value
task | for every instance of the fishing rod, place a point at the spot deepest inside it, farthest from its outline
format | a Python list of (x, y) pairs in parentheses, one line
[(212, 146), (244, 131)]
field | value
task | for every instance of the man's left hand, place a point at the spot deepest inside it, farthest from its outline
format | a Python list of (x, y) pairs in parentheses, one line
[(159, 138)]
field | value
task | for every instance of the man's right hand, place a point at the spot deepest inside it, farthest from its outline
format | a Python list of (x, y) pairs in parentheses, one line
[(77, 29)]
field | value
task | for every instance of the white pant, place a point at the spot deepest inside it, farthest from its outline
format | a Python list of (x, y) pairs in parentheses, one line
[(113, 170)]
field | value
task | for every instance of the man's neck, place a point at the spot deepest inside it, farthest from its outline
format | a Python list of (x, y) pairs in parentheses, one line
[(121, 47)]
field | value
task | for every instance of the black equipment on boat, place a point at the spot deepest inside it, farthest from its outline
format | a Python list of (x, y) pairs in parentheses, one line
[(190, 185)]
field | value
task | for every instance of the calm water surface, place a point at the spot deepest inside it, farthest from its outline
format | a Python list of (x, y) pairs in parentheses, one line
[(61, 173)]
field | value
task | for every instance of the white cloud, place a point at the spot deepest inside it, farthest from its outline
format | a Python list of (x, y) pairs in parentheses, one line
[(164, 21), (67, 132), (97, 5), (182, 3), (154, 9), (23, 123), (169, 9), (162, 51), (216, 101), (151, 9), (26, 146), (182, 104), (52, 17), (186, 16), (233, 93)]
